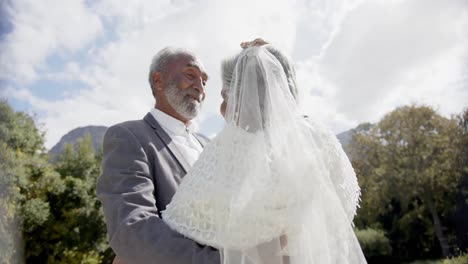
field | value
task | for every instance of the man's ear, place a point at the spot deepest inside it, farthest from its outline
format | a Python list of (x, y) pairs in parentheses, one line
[(157, 81)]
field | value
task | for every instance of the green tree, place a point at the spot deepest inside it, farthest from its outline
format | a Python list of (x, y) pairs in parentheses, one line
[(462, 195), (405, 165), (75, 231), (25, 177), (10, 235), (48, 212)]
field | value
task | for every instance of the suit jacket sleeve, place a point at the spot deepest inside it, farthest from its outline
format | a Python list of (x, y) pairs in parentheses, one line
[(125, 188)]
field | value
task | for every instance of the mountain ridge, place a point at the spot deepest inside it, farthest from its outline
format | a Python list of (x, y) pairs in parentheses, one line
[(97, 135), (72, 137)]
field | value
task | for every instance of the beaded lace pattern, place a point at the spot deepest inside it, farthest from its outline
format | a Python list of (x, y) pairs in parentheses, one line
[(214, 190)]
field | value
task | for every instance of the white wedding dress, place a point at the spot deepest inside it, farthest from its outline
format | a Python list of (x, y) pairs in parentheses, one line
[(272, 187)]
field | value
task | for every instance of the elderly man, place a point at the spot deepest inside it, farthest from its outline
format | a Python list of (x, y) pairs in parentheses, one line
[(145, 160)]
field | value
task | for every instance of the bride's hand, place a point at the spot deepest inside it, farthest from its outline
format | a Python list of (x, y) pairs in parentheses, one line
[(256, 42)]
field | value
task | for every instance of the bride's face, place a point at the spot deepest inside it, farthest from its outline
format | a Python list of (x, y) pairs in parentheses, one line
[(222, 107)]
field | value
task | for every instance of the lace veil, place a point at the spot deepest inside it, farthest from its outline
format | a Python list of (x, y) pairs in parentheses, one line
[(272, 187)]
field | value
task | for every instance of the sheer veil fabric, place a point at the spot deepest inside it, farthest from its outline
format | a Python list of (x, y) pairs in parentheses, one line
[(272, 187)]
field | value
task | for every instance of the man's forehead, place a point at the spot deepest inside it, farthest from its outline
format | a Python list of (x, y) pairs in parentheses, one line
[(198, 65), (193, 62)]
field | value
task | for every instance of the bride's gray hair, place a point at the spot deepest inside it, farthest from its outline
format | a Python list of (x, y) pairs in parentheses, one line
[(228, 66), (161, 60)]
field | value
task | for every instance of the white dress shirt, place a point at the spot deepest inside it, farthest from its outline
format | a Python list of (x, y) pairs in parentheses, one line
[(180, 134)]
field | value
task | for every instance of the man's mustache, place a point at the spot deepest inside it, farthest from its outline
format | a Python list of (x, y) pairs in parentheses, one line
[(195, 94)]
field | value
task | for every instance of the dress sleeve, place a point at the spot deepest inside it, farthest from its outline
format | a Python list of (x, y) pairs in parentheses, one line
[(341, 171)]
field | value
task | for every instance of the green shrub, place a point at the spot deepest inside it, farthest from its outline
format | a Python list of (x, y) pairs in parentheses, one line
[(426, 262), (463, 259), (373, 242)]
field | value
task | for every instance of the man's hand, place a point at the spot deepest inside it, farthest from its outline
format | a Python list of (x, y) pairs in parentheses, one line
[(283, 241)]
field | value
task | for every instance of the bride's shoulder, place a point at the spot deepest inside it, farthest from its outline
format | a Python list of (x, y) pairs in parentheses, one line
[(320, 131), (315, 125)]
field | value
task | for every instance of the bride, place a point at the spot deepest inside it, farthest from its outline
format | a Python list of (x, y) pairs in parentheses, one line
[(273, 186)]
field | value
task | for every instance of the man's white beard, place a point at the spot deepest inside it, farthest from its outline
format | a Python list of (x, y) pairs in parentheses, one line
[(181, 102)]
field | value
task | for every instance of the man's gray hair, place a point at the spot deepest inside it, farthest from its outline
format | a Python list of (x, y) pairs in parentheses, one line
[(161, 60), (228, 66)]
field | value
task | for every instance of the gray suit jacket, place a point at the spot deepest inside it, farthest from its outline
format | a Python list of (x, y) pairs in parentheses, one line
[(142, 169)]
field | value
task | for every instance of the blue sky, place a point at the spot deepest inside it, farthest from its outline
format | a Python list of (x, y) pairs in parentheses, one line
[(76, 63)]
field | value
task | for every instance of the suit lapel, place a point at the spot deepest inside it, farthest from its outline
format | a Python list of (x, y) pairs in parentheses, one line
[(167, 140)]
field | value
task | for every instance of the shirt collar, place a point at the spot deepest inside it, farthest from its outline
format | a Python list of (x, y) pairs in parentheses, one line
[(169, 123)]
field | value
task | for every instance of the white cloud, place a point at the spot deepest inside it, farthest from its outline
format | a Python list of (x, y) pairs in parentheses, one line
[(116, 74), (349, 54), (381, 44), (41, 29)]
